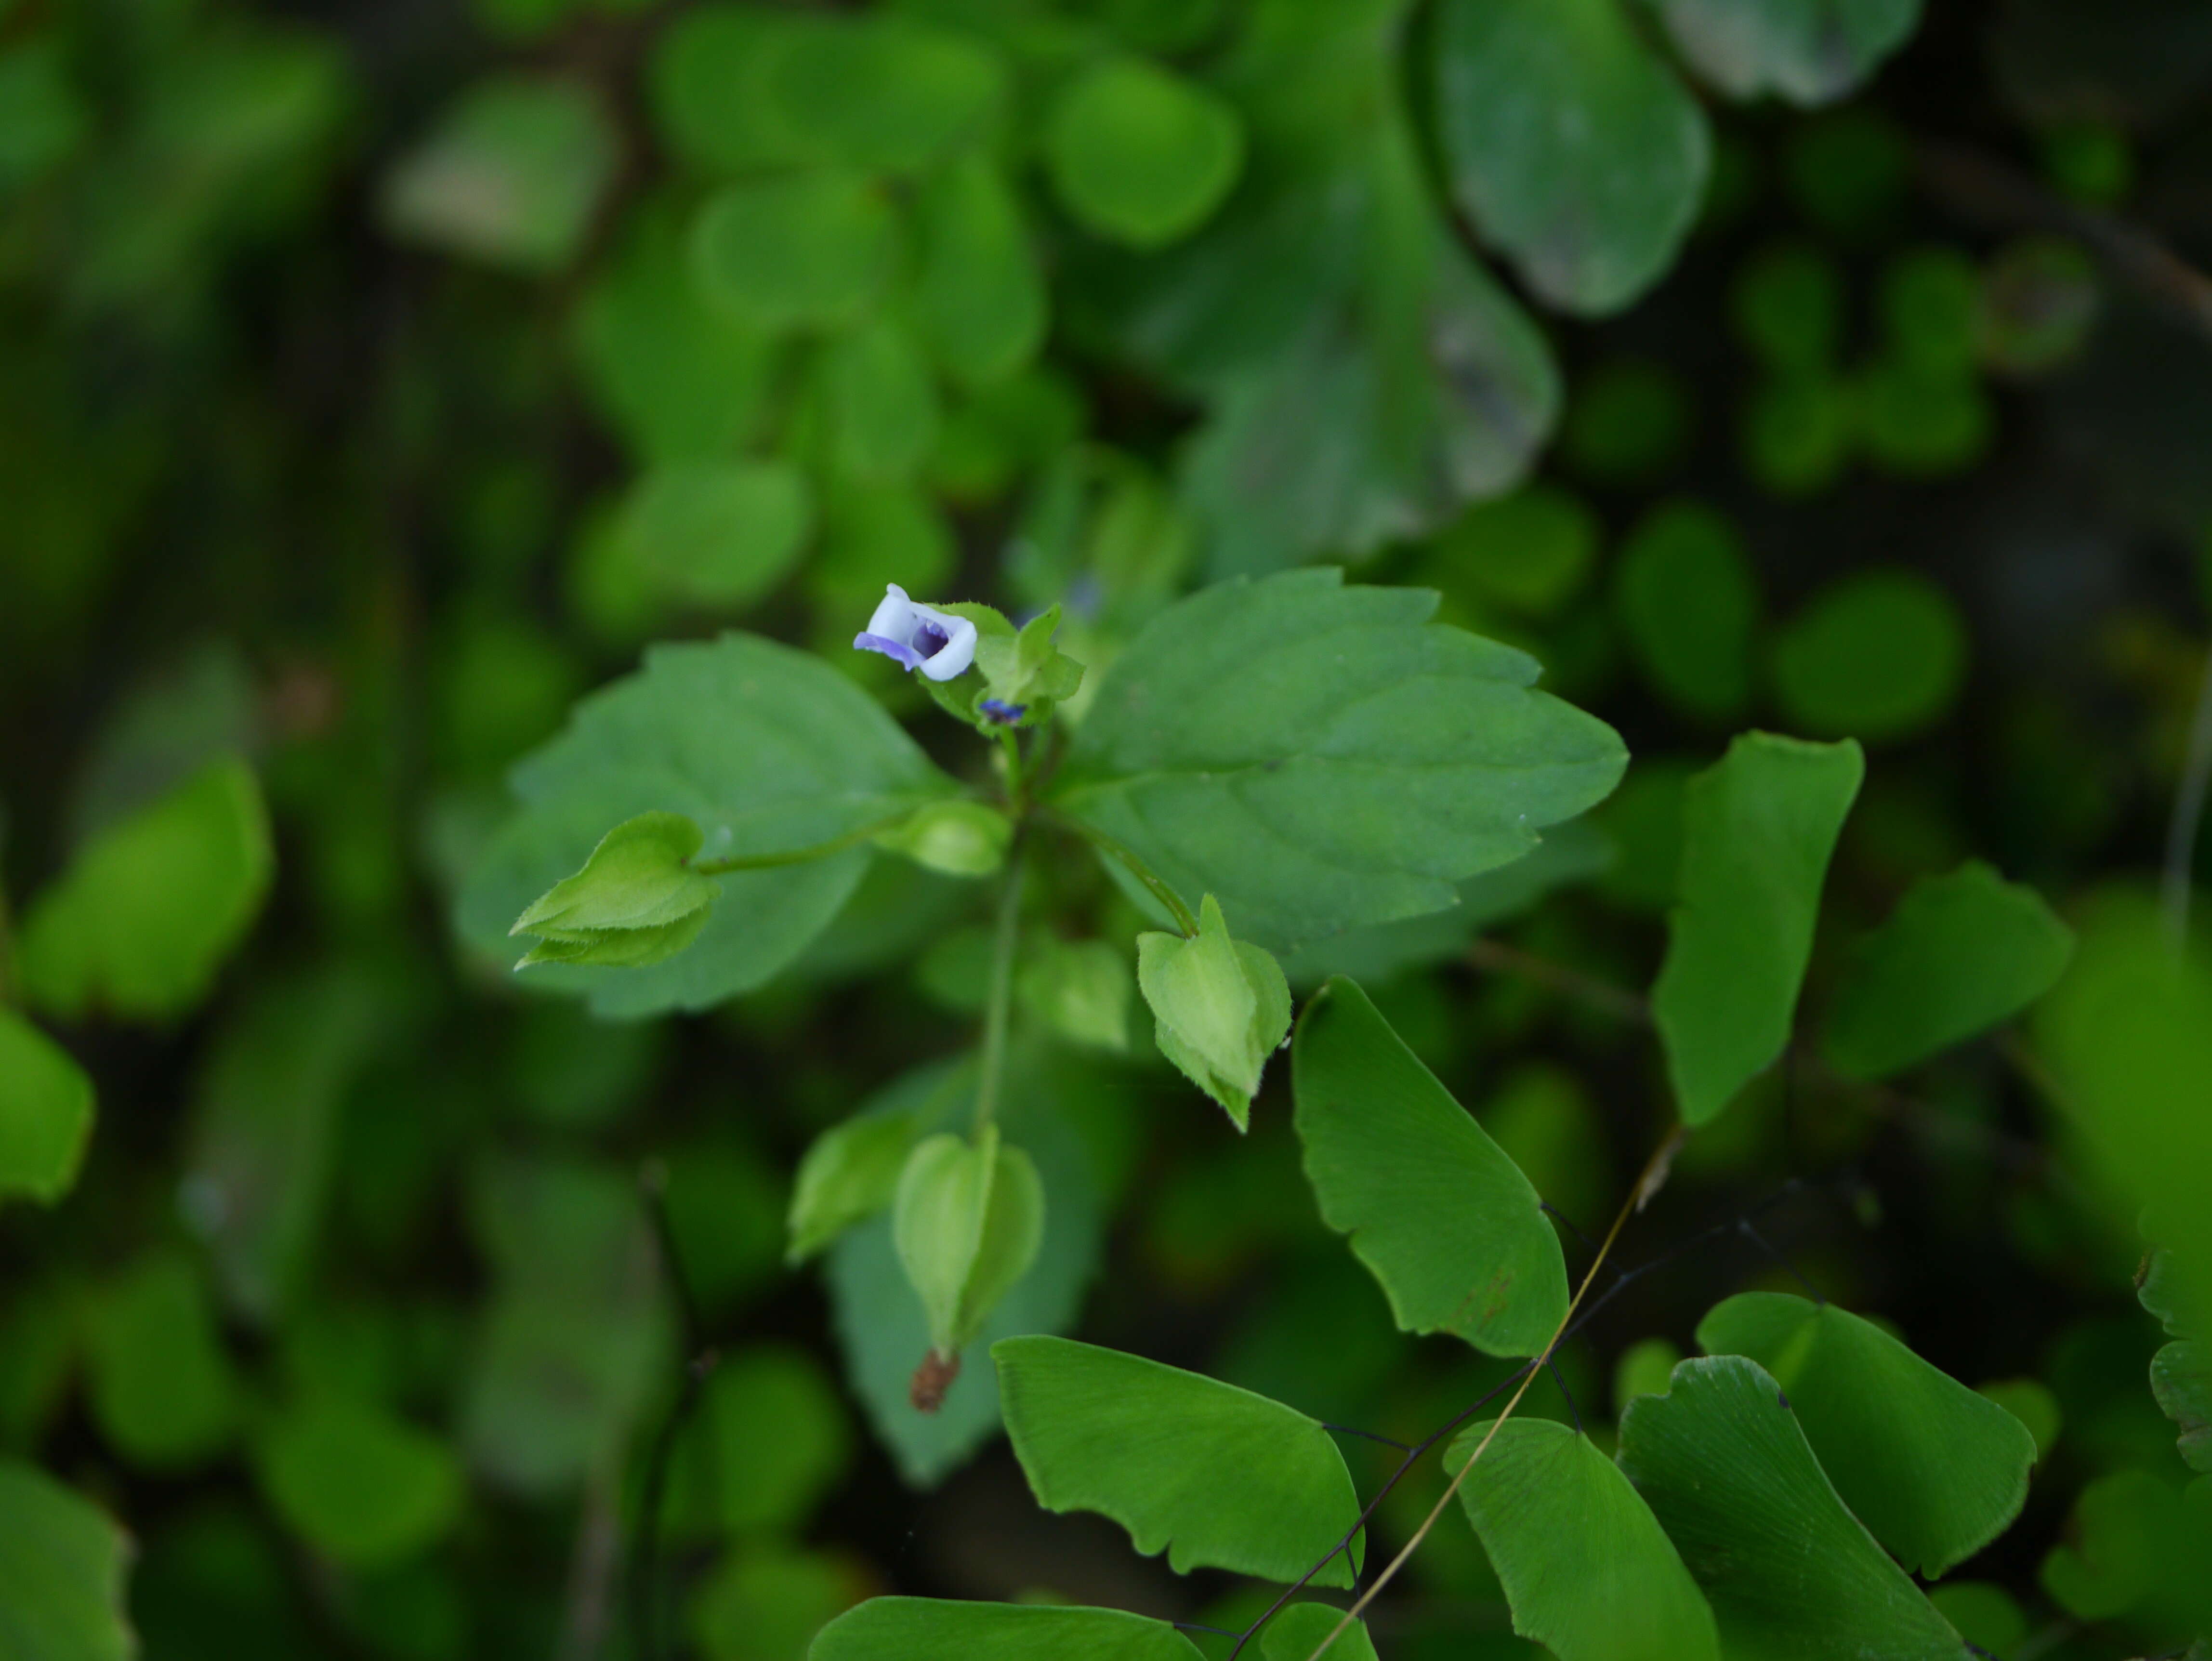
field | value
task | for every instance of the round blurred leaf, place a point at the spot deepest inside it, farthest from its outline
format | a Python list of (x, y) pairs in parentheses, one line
[(803, 250), (881, 401), (46, 1113), (1928, 299), (718, 533), (1796, 433), (163, 1391), (765, 1602), (980, 297), (875, 91), (1787, 303), (1881, 655), (1629, 422), (1140, 154), (769, 1441), (43, 118), (62, 1562), (360, 1487), (1687, 598), (1530, 551), (1922, 423)]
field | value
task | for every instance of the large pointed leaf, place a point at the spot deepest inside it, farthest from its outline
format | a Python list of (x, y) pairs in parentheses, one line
[(1568, 142), (926, 1629), (769, 750), (1446, 1222), (1588, 1571), (1320, 757), (1756, 832), (1215, 1475), (1809, 51), (62, 1564), (1934, 1469), (1791, 1575), (1961, 952)]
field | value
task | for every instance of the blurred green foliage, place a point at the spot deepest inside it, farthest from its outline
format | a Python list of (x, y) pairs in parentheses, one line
[(377, 380)]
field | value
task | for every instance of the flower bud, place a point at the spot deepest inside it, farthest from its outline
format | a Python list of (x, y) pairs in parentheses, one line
[(968, 1220), (635, 902), (1080, 989), (1220, 1007)]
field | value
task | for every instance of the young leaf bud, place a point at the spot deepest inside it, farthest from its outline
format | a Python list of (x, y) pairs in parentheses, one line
[(1220, 1007), (960, 838), (636, 900), (1080, 989), (967, 1222), (848, 1175)]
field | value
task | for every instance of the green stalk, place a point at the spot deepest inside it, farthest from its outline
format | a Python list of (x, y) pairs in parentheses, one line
[(820, 850), (1000, 1007)]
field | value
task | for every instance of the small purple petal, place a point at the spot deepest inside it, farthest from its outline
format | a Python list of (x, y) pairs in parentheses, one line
[(897, 651), (1005, 713), (929, 640)]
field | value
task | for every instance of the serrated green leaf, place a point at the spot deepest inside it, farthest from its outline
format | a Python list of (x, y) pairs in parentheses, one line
[(1568, 143), (1321, 757), (1757, 831), (770, 750), (1140, 154), (926, 1629), (1934, 1469), (1443, 1219), (806, 250), (512, 175), (1587, 1570), (2181, 1380), (1809, 51), (46, 1113), (359, 1486), (63, 1565), (1215, 1476), (1790, 1574), (151, 907), (1961, 952)]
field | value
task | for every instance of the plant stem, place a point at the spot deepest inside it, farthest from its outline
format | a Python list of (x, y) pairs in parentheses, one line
[(999, 1006), (1016, 784), (819, 850), (1128, 858)]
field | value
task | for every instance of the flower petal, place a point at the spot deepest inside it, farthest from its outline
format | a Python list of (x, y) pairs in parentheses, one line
[(894, 616), (959, 648), (897, 650)]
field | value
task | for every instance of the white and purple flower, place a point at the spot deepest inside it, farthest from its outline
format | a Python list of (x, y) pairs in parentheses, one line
[(917, 636)]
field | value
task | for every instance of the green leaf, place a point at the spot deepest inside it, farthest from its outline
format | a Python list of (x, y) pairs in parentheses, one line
[(707, 85), (1352, 405), (1687, 598), (1443, 1219), (1140, 154), (1790, 1574), (767, 1600), (1299, 1630), (359, 1486), (1879, 654), (809, 250), (1321, 757), (63, 1563), (875, 92), (850, 1173), (1934, 1469), (1809, 51), (716, 533), (770, 1440), (163, 1390), (638, 877), (980, 297), (1216, 1476), (263, 1141), (1530, 553), (1586, 1569), (151, 907), (2128, 1032), (676, 379), (959, 838), (772, 751), (1960, 953), (2124, 1532), (46, 1113), (1080, 990), (512, 176), (44, 120), (1757, 830), (2181, 1380), (881, 402), (925, 1629), (1222, 1007), (1569, 144)]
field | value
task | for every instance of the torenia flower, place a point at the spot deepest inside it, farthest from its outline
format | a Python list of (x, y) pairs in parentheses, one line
[(916, 636)]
